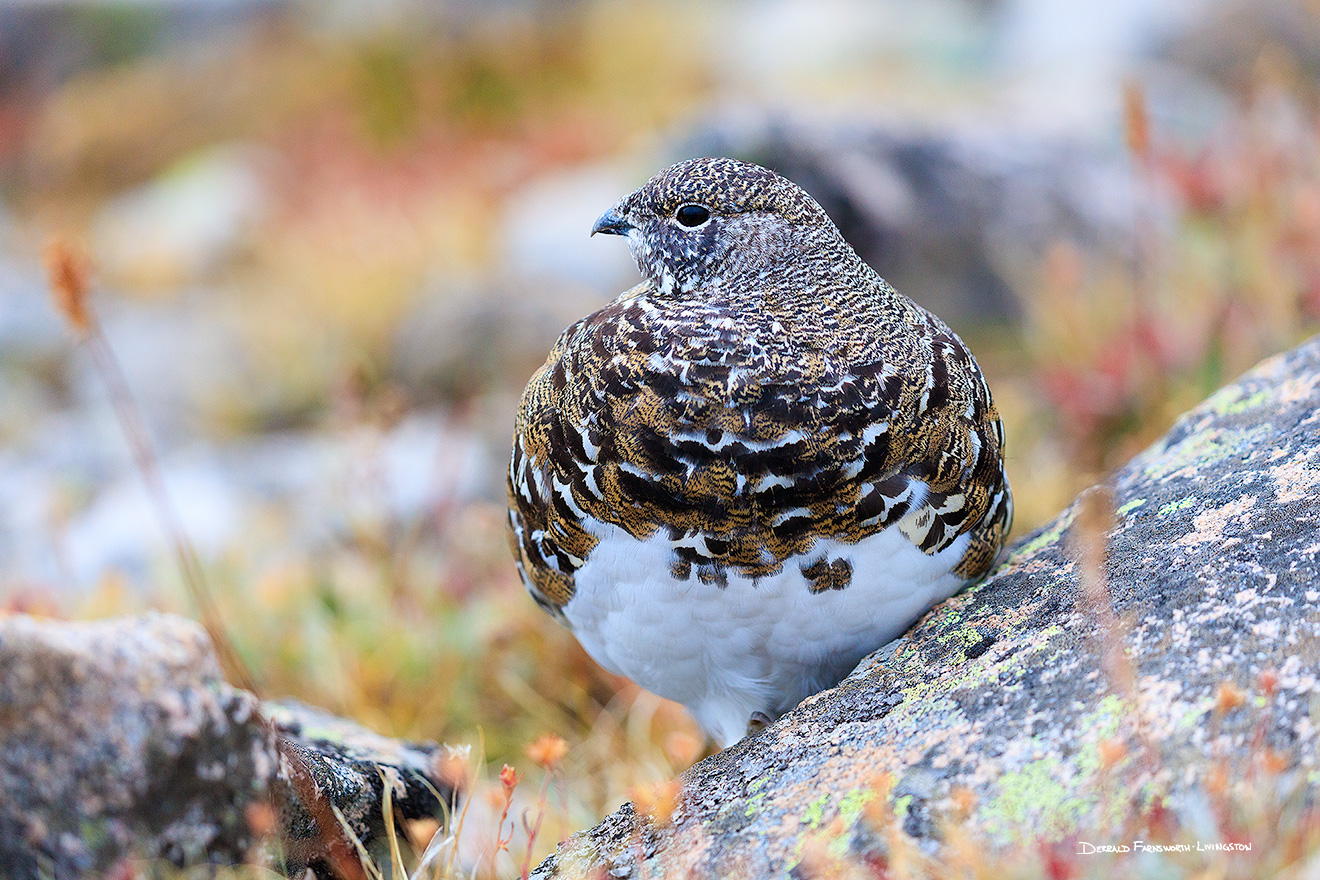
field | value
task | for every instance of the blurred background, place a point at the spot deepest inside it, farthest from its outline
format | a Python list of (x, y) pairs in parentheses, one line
[(331, 241)]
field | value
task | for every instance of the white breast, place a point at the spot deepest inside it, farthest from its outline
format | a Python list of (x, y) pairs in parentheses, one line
[(752, 646)]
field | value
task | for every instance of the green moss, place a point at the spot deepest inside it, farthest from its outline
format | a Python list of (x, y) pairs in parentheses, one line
[(754, 804), (902, 805), (1201, 447), (949, 616), (1106, 721), (962, 637), (850, 808), (1032, 798), (920, 687), (849, 811)]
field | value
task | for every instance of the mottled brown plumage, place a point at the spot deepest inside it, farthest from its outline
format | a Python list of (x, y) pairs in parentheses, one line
[(763, 389)]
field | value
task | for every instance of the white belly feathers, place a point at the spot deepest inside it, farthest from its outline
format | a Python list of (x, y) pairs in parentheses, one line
[(728, 652)]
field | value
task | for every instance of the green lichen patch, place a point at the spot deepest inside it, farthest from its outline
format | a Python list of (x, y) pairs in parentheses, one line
[(1234, 399), (1051, 796), (1179, 504), (1130, 506)]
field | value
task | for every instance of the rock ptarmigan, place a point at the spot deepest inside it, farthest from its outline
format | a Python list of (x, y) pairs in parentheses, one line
[(757, 466)]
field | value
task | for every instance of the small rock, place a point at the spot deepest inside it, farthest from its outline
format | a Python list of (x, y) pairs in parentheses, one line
[(180, 359), (459, 342), (121, 738), (73, 511), (31, 334), (546, 225)]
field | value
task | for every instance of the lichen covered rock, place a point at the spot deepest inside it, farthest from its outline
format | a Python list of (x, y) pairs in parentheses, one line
[(1106, 664), (121, 738)]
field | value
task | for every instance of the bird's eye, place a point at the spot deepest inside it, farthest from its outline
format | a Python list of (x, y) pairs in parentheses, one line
[(692, 215)]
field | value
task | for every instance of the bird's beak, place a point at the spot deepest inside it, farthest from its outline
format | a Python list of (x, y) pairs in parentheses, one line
[(611, 223)]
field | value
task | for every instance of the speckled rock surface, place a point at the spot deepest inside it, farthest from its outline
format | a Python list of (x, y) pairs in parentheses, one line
[(122, 737), (1011, 702)]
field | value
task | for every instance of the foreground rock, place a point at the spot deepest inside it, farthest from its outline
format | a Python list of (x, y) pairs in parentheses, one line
[(121, 739), (1012, 703), (346, 762)]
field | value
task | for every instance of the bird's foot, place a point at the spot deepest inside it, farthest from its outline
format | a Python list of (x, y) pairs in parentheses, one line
[(758, 722)]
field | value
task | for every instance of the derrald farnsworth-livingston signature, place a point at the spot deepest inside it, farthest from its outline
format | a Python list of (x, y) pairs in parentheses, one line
[(1086, 849)]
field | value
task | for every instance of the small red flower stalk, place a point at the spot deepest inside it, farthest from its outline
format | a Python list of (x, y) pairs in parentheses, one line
[(509, 780), (546, 752)]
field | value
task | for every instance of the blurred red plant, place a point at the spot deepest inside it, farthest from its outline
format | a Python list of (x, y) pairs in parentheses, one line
[(1230, 275)]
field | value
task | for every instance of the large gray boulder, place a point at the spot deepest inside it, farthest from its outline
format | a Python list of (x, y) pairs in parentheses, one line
[(1072, 689), (121, 739)]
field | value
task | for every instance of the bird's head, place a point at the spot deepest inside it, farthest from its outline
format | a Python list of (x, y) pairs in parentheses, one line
[(703, 221)]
